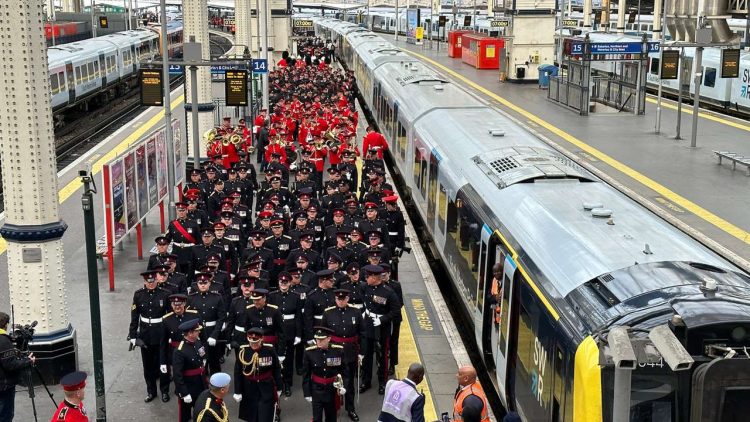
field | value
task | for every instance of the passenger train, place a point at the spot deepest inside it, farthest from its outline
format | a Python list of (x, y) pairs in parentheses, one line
[(579, 258), (102, 68), (729, 95)]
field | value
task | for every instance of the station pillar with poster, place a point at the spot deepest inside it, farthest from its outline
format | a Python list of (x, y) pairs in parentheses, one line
[(32, 233)]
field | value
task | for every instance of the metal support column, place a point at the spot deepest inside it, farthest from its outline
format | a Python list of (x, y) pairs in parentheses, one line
[(679, 93), (167, 113), (33, 229), (264, 47), (195, 21), (698, 75), (659, 22), (196, 135)]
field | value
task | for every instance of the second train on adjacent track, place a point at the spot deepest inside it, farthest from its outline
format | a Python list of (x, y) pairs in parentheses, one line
[(579, 258)]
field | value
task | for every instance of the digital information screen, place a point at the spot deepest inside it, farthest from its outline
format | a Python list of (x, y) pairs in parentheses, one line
[(730, 63), (670, 64), (235, 87), (151, 88)]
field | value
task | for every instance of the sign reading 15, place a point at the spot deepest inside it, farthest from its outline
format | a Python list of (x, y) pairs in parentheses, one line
[(577, 48)]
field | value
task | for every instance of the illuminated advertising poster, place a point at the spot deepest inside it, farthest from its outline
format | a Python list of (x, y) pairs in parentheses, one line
[(161, 163), (153, 192), (131, 201), (118, 199), (412, 22), (179, 158), (142, 181)]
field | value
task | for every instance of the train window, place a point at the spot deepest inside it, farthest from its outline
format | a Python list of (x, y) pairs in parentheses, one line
[(78, 75), (96, 68), (432, 190), (417, 165), (92, 72), (54, 84), (84, 73), (709, 78), (61, 83), (442, 208), (654, 66), (401, 141)]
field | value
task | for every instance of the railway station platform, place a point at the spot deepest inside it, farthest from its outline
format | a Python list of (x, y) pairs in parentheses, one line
[(684, 185), (428, 333)]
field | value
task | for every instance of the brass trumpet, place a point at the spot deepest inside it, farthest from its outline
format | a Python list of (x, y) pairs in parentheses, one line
[(209, 136), (233, 139)]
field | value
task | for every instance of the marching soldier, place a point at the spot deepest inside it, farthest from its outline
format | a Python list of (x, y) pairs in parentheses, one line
[(163, 279), (324, 371), (187, 368), (340, 249), (207, 247), (290, 304), (266, 317), (258, 249), (381, 308), (149, 306), (373, 224), (396, 230), (229, 246), (183, 233), (171, 335), (162, 246), (396, 323), (210, 405), (236, 314), (176, 278), (306, 249), (196, 213), (212, 310), (280, 244), (345, 322), (317, 301), (257, 373)]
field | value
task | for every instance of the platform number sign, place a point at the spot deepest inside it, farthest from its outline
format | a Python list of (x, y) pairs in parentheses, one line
[(730, 63), (670, 64), (103, 22), (260, 66)]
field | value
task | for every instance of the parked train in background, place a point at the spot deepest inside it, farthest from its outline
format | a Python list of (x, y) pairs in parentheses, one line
[(579, 258), (729, 95), (66, 32), (98, 70)]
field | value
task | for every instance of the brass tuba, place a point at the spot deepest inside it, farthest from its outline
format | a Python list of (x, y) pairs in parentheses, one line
[(209, 136), (235, 139)]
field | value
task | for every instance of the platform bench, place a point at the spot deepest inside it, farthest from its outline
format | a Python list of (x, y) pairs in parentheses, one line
[(735, 159)]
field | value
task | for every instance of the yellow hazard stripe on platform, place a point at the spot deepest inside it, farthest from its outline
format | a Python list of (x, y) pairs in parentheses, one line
[(76, 184), (665, 192), (704, 114), (408, 354)]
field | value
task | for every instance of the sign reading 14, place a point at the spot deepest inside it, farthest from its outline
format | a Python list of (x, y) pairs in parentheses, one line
[(260, 66)]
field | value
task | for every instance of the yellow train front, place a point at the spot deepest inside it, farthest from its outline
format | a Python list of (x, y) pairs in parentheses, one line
[(584, 266)]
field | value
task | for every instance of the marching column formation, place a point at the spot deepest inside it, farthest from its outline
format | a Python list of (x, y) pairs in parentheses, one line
[(288, 269)]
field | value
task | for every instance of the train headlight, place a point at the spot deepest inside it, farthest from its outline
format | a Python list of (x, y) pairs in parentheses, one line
[(739, 334)]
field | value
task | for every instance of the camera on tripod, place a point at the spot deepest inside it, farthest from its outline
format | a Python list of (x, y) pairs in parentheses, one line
[(22, 335)]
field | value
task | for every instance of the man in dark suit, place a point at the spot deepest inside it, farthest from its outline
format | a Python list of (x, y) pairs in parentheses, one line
[(402, 401)]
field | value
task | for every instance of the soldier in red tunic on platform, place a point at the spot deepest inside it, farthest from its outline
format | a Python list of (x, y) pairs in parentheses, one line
[(71, 409)]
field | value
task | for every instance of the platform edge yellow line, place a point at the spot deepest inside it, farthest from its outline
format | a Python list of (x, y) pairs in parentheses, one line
[(408, 353), (694, 208)]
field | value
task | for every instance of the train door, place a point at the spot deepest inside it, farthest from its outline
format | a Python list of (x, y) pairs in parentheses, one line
[(490, 254), (505, 346), (71, 82), (391, 125)]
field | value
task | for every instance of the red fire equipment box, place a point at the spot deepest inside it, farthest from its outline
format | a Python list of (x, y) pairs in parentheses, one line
[(454, 42), (481, 51)]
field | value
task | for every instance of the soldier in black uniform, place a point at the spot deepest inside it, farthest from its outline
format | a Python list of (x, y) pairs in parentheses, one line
[(372, 223), (317, 301), (172, 335), (249, 182), (195, 212), (257, 375), (339, 225), (213, 202), (187, 368), (266, 317), (163, 279), (210, 405), (176, 278), (324, 371), (235, 330), (231, 254), (305, 249), (346, 323), (212, 310), (374, 239), (290, 305), (317, 224), (257, 248), (280, 244), (340, 248), (162, 246), (308, 277), (183, 233), (358, 248), (396, 323), (149, 306), (195, 183), (207, 247), (381, 308), (396, 231)]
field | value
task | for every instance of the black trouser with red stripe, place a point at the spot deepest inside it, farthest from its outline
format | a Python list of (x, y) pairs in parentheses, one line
[(380, 347)]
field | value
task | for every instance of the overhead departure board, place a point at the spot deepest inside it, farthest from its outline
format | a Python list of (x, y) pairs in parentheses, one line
[(152, 91), (235, 87)]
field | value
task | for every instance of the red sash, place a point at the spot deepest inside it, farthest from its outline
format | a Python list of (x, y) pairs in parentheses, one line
[(183, 232)]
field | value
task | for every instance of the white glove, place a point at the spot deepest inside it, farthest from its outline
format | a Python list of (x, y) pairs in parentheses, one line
[(361, 358), (229, 346), (187, 399), (309, 399), (281, 359), (237, 397), (375, 322), (297, 341), (132, 342), (163, 369), (311, 342), (342, 391), (212, 341)]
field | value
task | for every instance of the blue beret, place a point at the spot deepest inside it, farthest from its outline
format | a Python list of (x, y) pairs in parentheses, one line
[(193, 324), (220, 380)]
